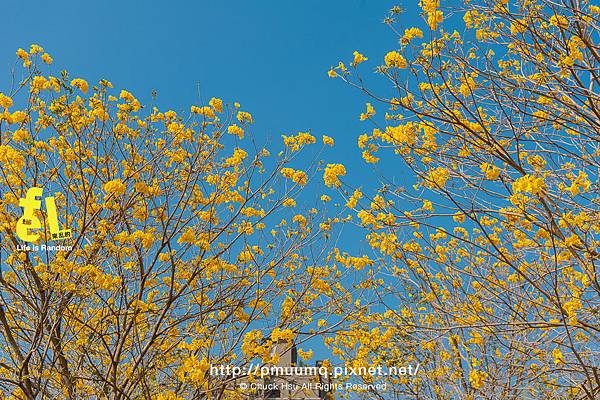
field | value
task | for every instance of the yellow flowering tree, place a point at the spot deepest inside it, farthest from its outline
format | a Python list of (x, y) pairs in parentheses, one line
[(186, 246), (488, 255)]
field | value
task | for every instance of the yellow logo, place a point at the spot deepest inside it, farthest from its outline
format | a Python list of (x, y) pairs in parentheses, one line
[(29, 223)]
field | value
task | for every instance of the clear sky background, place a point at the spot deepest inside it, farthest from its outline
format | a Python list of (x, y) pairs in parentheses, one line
[(270, 56)]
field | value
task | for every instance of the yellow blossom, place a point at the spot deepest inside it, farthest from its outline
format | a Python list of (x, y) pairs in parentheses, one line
[(115, 187), (23, 55), (427, 205), (327, 140), (236, 158), (580, 184), (187, 237), (193, 370), (395, 59), (34, 49), (477, 378), (370, 112), (529, 184), (305, 355), (434, 18), (412, 33), (332, 174), (236, 130), (80, 84), (358, 58), (294, 143), (559, 21), (459, 217), (436, 179), (217, 104), (244, 117), (205, 111), (298, 177), (558, 356), (46, 58), (491, 171), (289, 202), (5, 101), (353, 200), (39, 83), (21, 135), (369, 157)]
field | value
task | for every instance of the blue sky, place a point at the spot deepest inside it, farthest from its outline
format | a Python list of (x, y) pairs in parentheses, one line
[(271, 56)]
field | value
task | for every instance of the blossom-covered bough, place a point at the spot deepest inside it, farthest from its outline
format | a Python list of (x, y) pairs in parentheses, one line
[(489, 256), (188, 247)]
